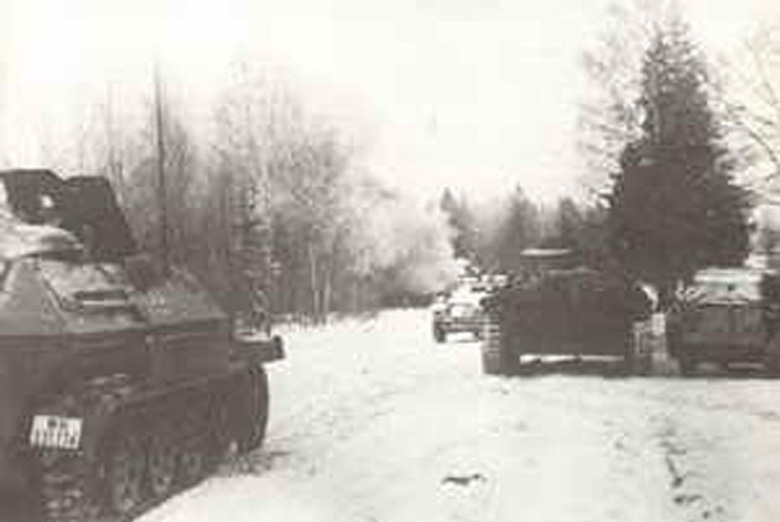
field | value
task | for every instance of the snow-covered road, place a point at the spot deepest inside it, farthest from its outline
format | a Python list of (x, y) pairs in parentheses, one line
[(373, 422)]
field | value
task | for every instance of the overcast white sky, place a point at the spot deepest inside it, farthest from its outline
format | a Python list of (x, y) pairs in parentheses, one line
[(474, 94)]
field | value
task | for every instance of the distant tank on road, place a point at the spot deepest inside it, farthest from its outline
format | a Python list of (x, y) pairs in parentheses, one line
[(554, 308)]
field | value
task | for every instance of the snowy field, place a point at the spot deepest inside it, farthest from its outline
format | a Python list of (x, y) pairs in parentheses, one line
[(373, 422)]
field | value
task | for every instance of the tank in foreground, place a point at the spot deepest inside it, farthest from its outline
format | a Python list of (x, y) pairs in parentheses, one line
[(120, 383)]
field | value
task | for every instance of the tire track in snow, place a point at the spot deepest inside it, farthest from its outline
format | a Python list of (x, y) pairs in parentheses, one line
[(717, 453), (374, 422)]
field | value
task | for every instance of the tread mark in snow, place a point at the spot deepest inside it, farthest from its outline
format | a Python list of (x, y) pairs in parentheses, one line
[(677, 477), (463, 480)]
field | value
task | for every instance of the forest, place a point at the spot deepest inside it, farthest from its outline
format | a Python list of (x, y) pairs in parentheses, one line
[(271, 202)]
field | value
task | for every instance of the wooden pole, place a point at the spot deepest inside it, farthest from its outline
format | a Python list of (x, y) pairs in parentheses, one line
[(162, 188)]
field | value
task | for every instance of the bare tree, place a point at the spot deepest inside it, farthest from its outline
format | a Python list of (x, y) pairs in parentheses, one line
[(753, 102), (247, 119), (609, 117)]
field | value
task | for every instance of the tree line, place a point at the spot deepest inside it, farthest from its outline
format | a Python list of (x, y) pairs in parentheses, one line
[(491, 233), (679, 147), (263, 200), (661, 130), (268, 202)]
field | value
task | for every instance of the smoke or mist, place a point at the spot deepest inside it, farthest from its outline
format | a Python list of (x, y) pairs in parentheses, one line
[(403, 240)]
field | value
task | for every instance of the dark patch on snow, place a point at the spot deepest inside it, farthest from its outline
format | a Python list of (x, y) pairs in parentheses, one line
[(464, 480), (768, 415), (683, 494), (677, 478), (686, 499)]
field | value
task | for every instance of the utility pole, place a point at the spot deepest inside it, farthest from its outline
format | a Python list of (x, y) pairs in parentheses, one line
[(162, 187)]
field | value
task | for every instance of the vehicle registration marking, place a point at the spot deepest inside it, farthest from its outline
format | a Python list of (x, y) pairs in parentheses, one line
[(54, 431)]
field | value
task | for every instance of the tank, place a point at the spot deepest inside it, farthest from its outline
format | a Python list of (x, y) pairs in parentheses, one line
[(573, 312), (458, 312), (729, 317), (121, 382)]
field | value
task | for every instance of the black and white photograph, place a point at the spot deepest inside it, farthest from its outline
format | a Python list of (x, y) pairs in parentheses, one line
[(389, 261)]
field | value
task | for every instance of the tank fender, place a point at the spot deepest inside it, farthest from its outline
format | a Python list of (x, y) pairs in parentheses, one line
[(258, 349)]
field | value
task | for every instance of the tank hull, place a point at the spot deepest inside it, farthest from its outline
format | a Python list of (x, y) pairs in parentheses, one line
[(120, 380), (21, 400), (572, 313)]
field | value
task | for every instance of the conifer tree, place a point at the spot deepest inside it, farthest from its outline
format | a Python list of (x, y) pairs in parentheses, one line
[(674, 207)]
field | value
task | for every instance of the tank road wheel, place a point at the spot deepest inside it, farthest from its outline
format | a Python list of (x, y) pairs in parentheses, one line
[(193, 454), (258, 408), (192, 463), (222, 441), (125, 473), (162, 458), (67, 483), (67, 488)]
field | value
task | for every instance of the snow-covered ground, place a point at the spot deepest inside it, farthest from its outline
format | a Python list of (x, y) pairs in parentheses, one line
[(374, 422)]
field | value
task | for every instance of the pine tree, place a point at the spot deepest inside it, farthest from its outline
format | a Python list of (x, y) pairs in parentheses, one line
[(567, 226), (520, 228), (674, 206)]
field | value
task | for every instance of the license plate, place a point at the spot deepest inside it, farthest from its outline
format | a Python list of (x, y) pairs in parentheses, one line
[(54, 431)]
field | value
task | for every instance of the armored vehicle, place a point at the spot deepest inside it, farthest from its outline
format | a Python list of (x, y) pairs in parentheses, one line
[(120, 382), (563, 312), (727, 316), (458, 312)]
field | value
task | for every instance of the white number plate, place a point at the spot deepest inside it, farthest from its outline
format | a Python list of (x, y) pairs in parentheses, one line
[(53, 431)]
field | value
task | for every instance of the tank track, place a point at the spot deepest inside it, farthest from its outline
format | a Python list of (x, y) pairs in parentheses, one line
[(66, 482), (190, 430)]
